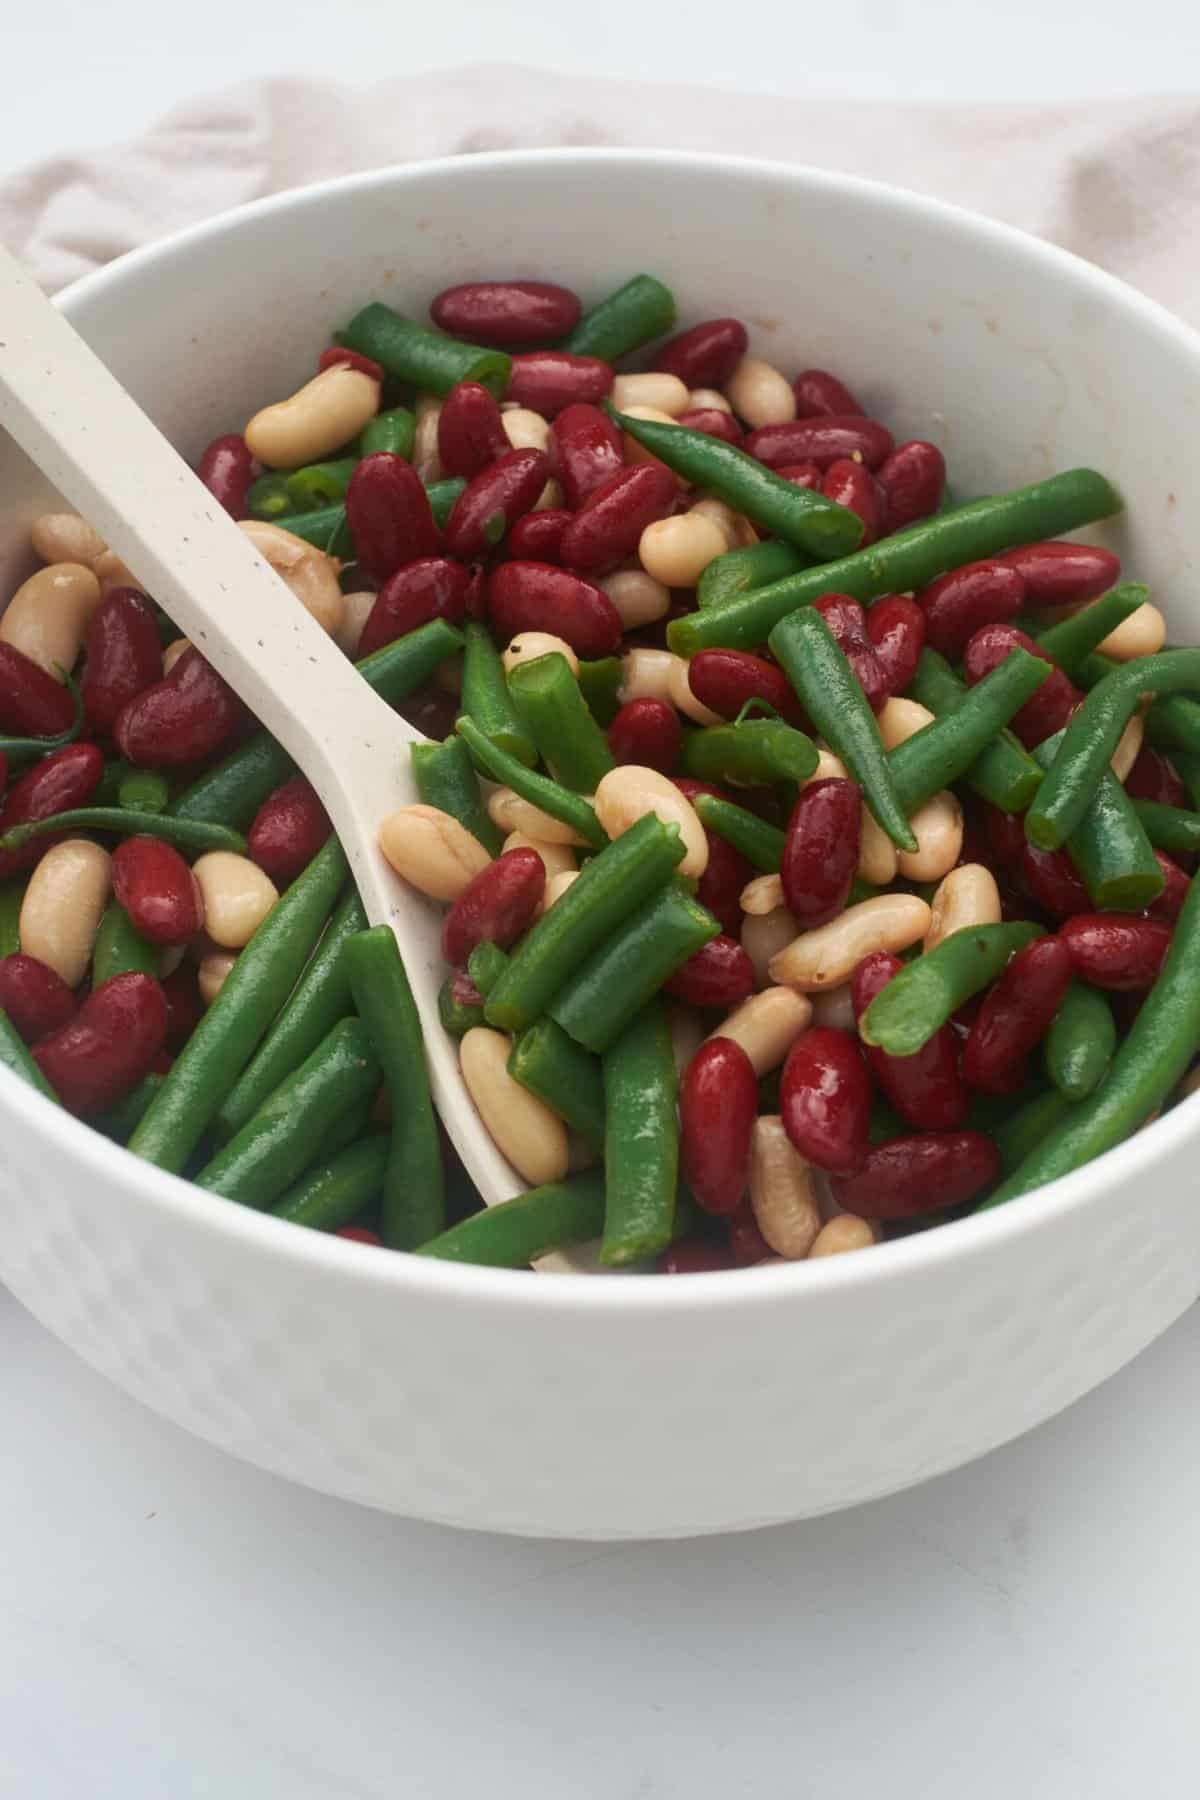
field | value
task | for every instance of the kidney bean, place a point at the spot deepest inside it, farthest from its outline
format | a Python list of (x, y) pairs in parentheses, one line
[(585, 450), (156, 887), (289, 828), (1112, 950), (493, 499), (506, 312), (820, 851), (720, 886), (705, 355), (714, 423), (338, 357), (66, 778), (32, 702), (538, 536), (616, 513), (93, 1060), (431, 710), (226, 468), (692, 1256), (1005, 836), (433, 587), (718, 974), (470, 430), (689, 787), (718, 1104), (847, 625), (1016, 1014), (124, 656), (388, 512), (187, 716), (496, 906), (822, 440), (747, 1244), (725, 679), (532, 596), (802, 474), (818, 394), (1054, 702), (3, 771), (918, 1174), (959, 604), (852, 485), (927, 1088), (896, 627), (1169, 904), (35, 997), (1051, 878), (912, 479), (546, 381), (647, 732), (185, 1004), (825, 1099), (1059, 574), (1153, 777)]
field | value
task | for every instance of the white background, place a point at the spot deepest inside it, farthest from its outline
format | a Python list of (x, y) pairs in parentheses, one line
[(176, 1625)]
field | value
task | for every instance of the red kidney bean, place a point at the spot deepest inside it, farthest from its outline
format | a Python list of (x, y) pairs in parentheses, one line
[(531, 596), (185, 1005), (691, 788), (1169, 904), (847, 625), (433, 587), (820, 851), (337, 357), (1049, 709), (714, 423), (470, 429), (226, 468), (506, 312), (35, 997), (852, 485), (926, 1088), (747, 1244), (720, 973), (66, 778), (1016, 1014), (616, 513), (124, 656), (32, 703), (975, 847), (959, 604), (182, 719), (289, 828), (705, 355), (586, 450), (919, 1174), (691, 1256), (818, 394), (646, 732), (388, 512), (506, 490), (3, 771), (1051, 878), (822, 440), (725, 679), (1059, 574), (718, 1104), (359, 1234), (538, 536), (548, 380), (496, 906), (720, 886), (92, 1061), (1112, 950), (896, 627), (913, 479), (825, 1099), (431, 710), (463, 989), (158, 890), (1005, 833), (801, 474), (1153, 777)]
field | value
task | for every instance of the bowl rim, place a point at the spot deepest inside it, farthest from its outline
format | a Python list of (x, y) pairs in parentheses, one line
[(238, 1226)]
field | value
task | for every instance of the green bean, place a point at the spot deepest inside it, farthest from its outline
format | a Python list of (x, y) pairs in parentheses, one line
[(907, 559), (610, 887), (750, 566), (833, 698), (1080, 1042), (619, 978), (186, 834), (337, 1188), (1110, 847), (267, 498), (446, 778), (1151, 1059), (600, 685), (394, 431), (1025, 1127), (11, 895), (1169, 828), (625, 320), (1072, 641), (209, 1064), (799, 515), (350, 1126), (320, 998), (441, 496), (486, 698), (277, 1144), (539, 790), (1004, 774), (15, 1057), (565, 1076), (1173, 723), (759, 843), (120, 948), (751, 752), (121, 1121), (413, 353), (144, 790), (457, 1016), (927, 992), (552, 709), (641, 1140), (516, 1232), (326, 528), (485, 965), (1187, 766), (951, 745), (1091, 736), (320, 484), (414, 1189)]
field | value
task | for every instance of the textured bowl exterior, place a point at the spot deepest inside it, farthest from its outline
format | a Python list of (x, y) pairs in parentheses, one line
[(622, 1407)]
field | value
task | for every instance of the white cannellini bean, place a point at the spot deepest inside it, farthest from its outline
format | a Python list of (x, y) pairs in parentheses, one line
[(557, 886), (938, 829), (558, 859), (677, 551), (628, 793), (767, 1025), (638, 597), (876, 852), (682, 697), (311, 575), (665, 393), (523, 1128), (899, 719), (708, 400), (63, 905), (511, 813), (834, 1008), (237, 894), (828, 955), (173, 652), (112, 573), (525, 429), (529, 645), (723, 517), (646, 675), (213, 972), (65, 537), (764, 936), (844, 1232), (48, 615), (759, 394), (762, 895), (356, 610), (637, 453), (687, 1034), (967, 896), (550, 496), (1129, 747), (1143, 633), (782, 1191), (314, 421), (432, 851), (426, 459)]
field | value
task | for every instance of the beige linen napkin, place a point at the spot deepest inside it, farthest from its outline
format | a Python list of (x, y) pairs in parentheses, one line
[(1117, 181)]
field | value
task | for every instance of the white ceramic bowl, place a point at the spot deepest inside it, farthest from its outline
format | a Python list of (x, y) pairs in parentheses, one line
[(617, 1407)]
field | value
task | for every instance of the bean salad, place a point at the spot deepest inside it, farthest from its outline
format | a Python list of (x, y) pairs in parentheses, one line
[(814, 848)]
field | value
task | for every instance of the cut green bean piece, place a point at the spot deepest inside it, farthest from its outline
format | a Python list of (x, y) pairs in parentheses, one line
[(1173, 723), (486, 698), (571, 809), (1004, 774), (394, 431), (446, 778), (565, 1076), (1186, 764), (641, 1148), (120, 948), (951, 745), (121, 1121), (1110, 847), (518, 1231), (926, 993), (425, 358), (485, 965), (458, 1016), (551, 706), (1080, 1042), (325, 528), (1169, 828), (1025, 1128), (267, 498), (11, 895), (632, 316), (753, 752), (759, 843), (600, 685), (337, 1188), (15, 1057), (193, 835), (442, 496), (143, 790), (1072, 641), (320, 484), (750, 566), (597, 1004)]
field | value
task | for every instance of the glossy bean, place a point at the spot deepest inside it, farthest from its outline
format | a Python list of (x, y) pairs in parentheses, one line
[(1153, 777), (496, 906), (724, 680), (659, 389), (32, 703), (308, 571), (676, 551), (852, 485), (1116, 952), (718, 1103), (537, 537), (315, 421), (782, 1193), (61, 782), (847, 626), (501, 493), (967, 896), (157, 889), (63, 905), (719, 974), (526, 1132), (639, 597), (705, 355), (47, 617), (388, 511), (548, 381), (821, 851), (432, 851), (1015, 1016), (912, 479), (721, 884), (34, 997), (123, 654), (825, 1100), (531, 596), (65, 537), (646, 731), (470, 430), (184, 718), (100, 1054), (610, 524), (827, 956), (759, 394), (506, 312), (818, 393), (766, 1025), (824, 440), (926, 1089), (586, 451), (631, 792), (432, 587), (957, 605), (910, 1175), (1050, 708), (714, 422), (1062, 574), (287, 831), (226, 468)]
